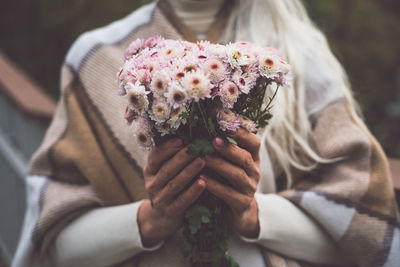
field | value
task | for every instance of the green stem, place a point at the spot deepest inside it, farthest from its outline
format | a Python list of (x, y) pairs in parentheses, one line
[(204, 119)]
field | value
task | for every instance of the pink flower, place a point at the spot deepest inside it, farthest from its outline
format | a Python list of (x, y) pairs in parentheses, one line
[(245, 81), (229, 94), (215, 69), (227, 120), (269, 65), (143, 137), (176, 95), (133, 48), (160, 82), (153, 41), (196, 85), (247, 124)]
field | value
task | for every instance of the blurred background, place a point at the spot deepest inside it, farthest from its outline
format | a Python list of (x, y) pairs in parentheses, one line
[(36, 35)]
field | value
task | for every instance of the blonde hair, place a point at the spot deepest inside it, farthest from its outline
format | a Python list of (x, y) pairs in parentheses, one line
[(285, 25)]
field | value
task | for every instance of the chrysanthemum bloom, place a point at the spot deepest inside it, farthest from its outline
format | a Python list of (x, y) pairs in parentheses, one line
[(144, 137), (143, 75), (129, 115), (244, 82), (160, 82), (164, 129), (216, 50), (172, 51), (235, 56), (248, 124), (160, 111), (137, 97), (175, 117), (176, 95), (196, 85), (153, 41), (227, 120), (215, 69), (133, 48), (269, 65), (229, 94), (153, 66)]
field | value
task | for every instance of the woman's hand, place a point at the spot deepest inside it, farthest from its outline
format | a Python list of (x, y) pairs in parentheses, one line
[(168, 171), (240, 166)]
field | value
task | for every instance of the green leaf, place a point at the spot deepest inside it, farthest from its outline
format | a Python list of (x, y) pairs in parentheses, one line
[(184, 245), (201, 147), (205, 219), (231, 140)]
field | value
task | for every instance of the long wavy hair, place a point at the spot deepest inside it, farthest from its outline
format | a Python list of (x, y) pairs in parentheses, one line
[(319, 78)]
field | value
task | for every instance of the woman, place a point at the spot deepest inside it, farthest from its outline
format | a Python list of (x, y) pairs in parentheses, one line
[(313, 187)]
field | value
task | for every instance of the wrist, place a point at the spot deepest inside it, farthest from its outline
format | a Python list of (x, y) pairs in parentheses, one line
[(247, 224)]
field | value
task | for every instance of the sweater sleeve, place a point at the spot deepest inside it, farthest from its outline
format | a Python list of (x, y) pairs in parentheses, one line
[(101, 237), (285, 229)]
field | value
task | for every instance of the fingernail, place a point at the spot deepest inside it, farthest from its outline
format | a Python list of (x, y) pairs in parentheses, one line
[(177, 143), (201, 183), (205, 179), (198, 162), (219, 141)]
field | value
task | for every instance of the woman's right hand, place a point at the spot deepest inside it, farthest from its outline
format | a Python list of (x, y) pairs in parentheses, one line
[(168, 171)]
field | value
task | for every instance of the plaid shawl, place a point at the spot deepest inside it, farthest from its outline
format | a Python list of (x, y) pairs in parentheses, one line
[(88, 160)]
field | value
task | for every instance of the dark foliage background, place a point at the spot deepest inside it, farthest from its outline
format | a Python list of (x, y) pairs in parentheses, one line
[(364, 34)]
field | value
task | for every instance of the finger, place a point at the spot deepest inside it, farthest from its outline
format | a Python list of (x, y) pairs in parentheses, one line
[(160, 154), (236, 201), (236, 176), (248, 141), (236, 155), (188, 197), (177, 184), (172, 167)]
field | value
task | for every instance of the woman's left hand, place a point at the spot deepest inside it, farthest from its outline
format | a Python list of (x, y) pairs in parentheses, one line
[(240, 166)]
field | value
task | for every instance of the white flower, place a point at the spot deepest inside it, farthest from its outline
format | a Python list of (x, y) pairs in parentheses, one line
[(164, 128), (171, 52), (248, 124), (137, 97), (215, 69), (229, 94), (160, 82), (142, 133), (216, 50), (269, 65), (196, 85), (176, 95), (245, 81), (228, 120), (176, 119), (235, 56), (160, 111)]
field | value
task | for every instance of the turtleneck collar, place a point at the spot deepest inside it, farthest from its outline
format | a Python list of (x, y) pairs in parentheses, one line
[(197, 15)]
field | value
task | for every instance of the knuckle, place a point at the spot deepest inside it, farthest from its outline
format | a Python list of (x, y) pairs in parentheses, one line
[(257, 142), (248, 160), (171, 210), (173, 186), (150, 187), (241, 175), (257, 174), (165, 171), (157, 203), (245, 202), (181, 156)]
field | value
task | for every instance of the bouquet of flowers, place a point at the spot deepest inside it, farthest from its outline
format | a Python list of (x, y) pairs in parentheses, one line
[(198, 92)]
